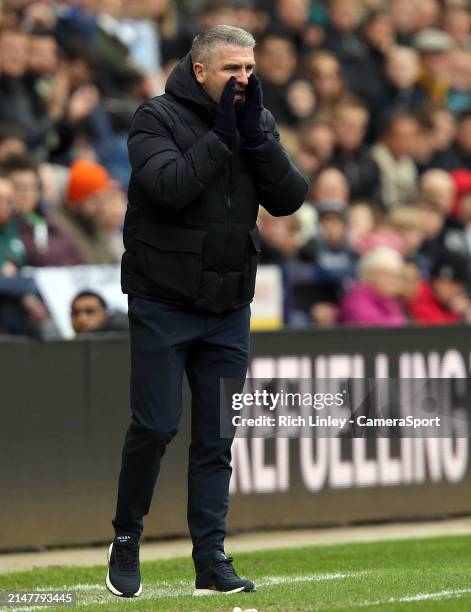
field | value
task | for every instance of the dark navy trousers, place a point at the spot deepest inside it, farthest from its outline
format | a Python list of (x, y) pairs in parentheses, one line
[(167, 341)]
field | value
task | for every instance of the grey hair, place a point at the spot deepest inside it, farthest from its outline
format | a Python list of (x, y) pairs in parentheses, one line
[(381, 257), (210, 38)]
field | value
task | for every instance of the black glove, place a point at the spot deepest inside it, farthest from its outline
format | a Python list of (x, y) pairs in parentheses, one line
[(249, 115), (225, 125)]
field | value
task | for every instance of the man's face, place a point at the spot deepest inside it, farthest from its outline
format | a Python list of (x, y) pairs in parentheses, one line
[(439, 189), (445, 128), (43, 55), (26, 189), (13, 53), (333, 228), (330, 184), (225, 61), (436, 62), (11, 146), (402, 67), (350, 127), (276, 60), (87, 314), (91, 206), (344, 14), (293, 13), (457, 23), (432, 220), (327, 78), (446, 289), (403, 136), (112, 210), (380, 32)]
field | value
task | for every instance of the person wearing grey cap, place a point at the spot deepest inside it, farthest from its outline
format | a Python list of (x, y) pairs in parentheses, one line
[(434, 45)]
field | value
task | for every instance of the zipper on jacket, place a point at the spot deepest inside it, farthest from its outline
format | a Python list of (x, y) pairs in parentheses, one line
[(228, 203), (230, 185)]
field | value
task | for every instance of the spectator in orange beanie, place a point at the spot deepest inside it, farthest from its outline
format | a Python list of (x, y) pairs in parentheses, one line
[(88, 187)]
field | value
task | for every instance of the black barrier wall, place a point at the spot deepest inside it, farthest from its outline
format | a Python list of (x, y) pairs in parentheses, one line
[(65, 410)]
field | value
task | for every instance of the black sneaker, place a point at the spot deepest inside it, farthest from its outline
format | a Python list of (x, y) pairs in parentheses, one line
[(220, 577), (124, 577)]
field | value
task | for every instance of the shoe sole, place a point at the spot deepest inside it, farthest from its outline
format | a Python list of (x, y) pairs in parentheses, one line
[(198, 592), (109, 585)]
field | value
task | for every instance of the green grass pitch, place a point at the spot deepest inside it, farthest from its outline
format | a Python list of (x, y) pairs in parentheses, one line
[(431, 574)]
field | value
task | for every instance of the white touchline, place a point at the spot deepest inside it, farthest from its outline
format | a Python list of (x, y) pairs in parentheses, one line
[(411, 598), (184, 586), (273, 580), (81, 587), (94, 594)]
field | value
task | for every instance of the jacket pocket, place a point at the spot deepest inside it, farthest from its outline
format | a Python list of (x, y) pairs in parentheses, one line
[(170, 257), (250, 273)]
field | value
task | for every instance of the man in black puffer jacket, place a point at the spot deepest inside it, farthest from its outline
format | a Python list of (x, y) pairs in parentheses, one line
[(204, 156)]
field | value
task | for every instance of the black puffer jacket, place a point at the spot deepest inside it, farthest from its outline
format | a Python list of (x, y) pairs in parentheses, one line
[(190, 231)]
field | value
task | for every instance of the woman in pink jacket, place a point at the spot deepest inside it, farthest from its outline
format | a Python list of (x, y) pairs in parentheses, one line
[(374, 299)]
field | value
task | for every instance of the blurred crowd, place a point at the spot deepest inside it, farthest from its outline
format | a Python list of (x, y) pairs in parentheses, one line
[(372, 99)]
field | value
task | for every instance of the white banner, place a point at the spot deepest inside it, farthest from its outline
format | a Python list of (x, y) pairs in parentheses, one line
[(59, 286), (267, 307)]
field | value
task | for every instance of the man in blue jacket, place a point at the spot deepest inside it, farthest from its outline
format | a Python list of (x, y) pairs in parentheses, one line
[(204, 156)]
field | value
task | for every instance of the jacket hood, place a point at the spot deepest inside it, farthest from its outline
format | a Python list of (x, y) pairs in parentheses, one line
[(182, 84)]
